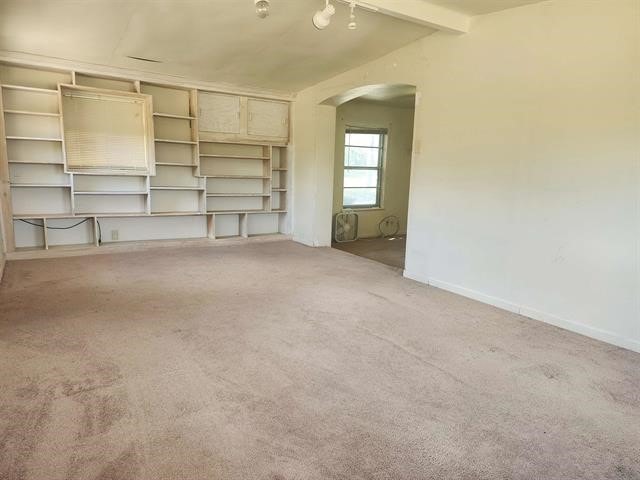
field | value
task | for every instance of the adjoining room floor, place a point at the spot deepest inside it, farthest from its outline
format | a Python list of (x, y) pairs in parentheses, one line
[(389, 251), (279, 361)]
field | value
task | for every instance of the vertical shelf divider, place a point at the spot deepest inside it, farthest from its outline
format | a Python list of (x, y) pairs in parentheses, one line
[(244, 225), (96, 232), (211, 226), (45, 234)]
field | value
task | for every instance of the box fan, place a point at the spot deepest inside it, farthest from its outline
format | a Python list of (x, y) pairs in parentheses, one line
[(346, 226)]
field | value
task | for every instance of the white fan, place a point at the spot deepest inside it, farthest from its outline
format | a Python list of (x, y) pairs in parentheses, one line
[(346, 227)]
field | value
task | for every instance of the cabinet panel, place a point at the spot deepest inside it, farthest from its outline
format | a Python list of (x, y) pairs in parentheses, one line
[(268, 119), (219, 113)]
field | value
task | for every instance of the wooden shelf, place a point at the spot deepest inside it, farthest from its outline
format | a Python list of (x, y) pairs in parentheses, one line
[(238, 195), (171, 115), (110, 192), (169, 164), (34, 140), (175, 214), (181, 142), (228, 142), (38, 185), (113, 214), (32, 216), (26, 112), (178, 188), (38, 139), (30, 89), (30, 162), (235, 212), (238, 177), (240, 157)]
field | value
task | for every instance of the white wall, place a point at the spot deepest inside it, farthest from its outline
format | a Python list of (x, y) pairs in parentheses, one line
[(525, 188), (395, 198)]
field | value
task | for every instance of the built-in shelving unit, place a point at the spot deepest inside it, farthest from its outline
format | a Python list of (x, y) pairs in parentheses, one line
[(234, 187)]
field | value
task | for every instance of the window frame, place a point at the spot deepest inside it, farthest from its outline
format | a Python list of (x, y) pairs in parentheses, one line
[(380, 168)]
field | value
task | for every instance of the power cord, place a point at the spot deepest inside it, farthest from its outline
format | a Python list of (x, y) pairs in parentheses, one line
[(66, 228), (56, 228)]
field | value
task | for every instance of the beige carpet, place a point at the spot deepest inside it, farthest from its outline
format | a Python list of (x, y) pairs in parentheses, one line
[(277, 361), (389, 251)]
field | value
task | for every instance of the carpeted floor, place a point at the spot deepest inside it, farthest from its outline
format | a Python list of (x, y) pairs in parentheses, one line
[(389, 251), (278, 361)]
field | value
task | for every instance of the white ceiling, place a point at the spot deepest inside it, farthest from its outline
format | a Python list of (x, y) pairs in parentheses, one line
[(218, 41), (205, 40), (480, 7)]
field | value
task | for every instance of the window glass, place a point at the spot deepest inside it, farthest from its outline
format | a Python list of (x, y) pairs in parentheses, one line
[(363, 154)]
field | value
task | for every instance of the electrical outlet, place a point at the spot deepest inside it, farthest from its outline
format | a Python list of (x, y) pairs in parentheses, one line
[(115, 234)]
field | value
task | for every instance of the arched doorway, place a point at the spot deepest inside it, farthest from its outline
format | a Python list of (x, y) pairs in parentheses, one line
[(371, 170)]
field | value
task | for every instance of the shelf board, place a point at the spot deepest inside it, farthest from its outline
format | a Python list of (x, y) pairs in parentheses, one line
[(30, 89), (240, 157), (278, 189), (38, 185), (171, 115), (111, 192), (279, 210), (170, 164), (238, 177), (228, 142), (26, 112), (181, 142), (38, 139), (235, 212), (175, 214), (178, 188), (30, 162), (33, 216), (238, 195), (113, 214), (278, 169)]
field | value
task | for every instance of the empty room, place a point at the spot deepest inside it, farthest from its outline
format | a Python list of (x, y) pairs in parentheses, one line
[(319, 239)]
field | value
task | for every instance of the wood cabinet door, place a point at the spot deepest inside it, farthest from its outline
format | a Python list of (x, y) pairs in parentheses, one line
[(268, 119), (219, 113)]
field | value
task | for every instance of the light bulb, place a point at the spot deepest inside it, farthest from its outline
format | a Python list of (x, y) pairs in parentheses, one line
[(262, 8), (322, 18)]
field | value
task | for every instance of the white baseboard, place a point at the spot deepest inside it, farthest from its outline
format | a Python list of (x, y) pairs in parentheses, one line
[(581, 328)]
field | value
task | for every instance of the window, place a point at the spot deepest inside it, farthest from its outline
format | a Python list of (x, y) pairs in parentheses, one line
[(363, 159)]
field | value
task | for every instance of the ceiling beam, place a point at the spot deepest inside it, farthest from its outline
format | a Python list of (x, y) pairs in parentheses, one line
[(421, 12)]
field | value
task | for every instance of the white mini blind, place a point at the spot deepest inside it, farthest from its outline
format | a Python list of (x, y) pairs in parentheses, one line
[(107, 132)]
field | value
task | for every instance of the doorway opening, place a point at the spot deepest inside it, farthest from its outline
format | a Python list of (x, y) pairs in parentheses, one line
[(373, 151)]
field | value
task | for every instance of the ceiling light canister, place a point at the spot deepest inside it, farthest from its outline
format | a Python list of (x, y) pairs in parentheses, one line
[(322, 18), (262, 8)]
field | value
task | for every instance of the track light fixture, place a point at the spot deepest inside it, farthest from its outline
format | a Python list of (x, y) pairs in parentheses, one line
[(322, 18), (262, 8), (352, 16)]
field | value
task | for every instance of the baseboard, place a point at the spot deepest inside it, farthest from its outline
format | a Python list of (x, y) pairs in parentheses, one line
[(581, 328), (534, 314)]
